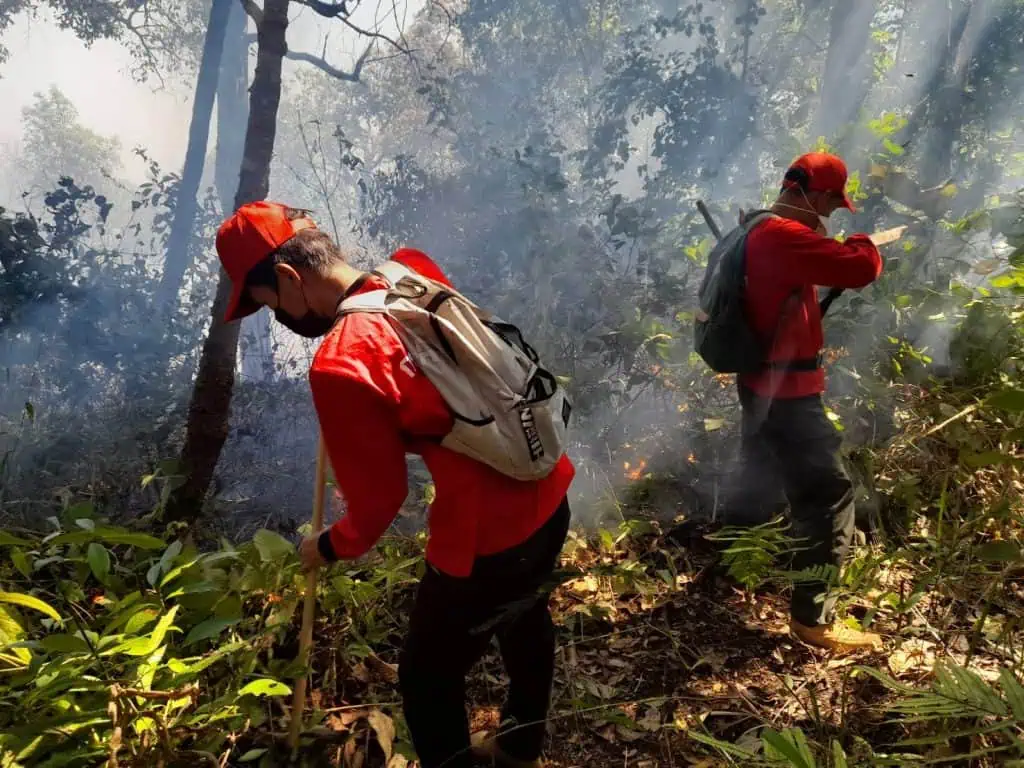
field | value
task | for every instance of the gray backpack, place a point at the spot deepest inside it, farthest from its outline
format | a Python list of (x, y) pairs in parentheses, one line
[(721, 334), (509, 412)]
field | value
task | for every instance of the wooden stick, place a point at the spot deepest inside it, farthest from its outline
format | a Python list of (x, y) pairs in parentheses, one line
[(708, 220), (309, 605)]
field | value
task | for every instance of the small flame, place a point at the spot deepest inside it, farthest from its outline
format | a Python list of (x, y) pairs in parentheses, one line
[(637, 473)]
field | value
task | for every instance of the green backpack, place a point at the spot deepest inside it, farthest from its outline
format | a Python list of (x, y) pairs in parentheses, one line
[(721, 335)]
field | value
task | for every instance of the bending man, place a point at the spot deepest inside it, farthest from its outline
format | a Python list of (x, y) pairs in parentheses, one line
[(493, 541)]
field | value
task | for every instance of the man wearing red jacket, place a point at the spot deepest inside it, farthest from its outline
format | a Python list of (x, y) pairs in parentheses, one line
[(493, 541), (785, 427)]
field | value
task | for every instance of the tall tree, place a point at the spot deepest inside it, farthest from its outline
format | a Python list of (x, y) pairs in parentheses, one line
[(232, 109), (176, 259), (209, 409), (211, 397)]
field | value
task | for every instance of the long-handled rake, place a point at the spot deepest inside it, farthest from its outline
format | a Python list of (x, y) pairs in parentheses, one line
[(309, 605)]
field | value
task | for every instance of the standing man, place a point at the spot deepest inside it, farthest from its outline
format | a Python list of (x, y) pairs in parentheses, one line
[(493, 541), (784, 426)]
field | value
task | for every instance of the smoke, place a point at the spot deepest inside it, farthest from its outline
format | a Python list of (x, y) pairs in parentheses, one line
[(548, 157)]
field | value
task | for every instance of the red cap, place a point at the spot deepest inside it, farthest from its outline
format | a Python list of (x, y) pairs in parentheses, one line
[(254, 232), (825, 173)]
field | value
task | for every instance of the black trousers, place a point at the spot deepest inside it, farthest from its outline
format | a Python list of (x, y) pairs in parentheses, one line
[(452, 624), (791, 442)]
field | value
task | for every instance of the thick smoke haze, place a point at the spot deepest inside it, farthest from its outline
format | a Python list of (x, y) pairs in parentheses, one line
[(549, 156)]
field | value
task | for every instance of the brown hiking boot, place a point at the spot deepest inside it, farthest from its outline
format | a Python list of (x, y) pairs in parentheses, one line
[(486, 749), (836, 637)]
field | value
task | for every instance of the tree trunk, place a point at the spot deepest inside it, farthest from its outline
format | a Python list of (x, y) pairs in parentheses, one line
[(177, 261), (232, 108), (209, 411), (847, 66)]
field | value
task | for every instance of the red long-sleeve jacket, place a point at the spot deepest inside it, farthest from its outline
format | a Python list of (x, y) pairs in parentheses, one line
[(374, 406), (784, 256)]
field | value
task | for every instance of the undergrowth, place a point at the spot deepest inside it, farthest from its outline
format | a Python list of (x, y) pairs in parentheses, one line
[(122, 648)]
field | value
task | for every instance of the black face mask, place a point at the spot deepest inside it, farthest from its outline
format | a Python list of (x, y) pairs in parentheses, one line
[(310, 325)]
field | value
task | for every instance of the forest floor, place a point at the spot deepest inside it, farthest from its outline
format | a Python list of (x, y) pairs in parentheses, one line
[(657, 644)]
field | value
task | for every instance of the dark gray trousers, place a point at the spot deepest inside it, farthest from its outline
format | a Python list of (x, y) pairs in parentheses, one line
[(790, 442)]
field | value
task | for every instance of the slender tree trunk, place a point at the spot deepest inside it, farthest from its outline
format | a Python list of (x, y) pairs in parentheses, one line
[(209, 410), (232, 109), (232, 106), (177, 261)]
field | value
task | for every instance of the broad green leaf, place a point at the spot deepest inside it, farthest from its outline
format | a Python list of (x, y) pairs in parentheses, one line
[(64, 644), (27, 601), (20, 560), (271, 546), (179, 667), (8, 540), (265, 687), (99, 561), (1007, 400), (144, 646), (252, 754), (194, 589), (1000, 551), (108, 535), (207, 629), (177, 571), (141, 618), (12, 632)]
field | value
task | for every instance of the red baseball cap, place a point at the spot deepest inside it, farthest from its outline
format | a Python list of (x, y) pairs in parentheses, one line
[(825, 173), (252, 233)]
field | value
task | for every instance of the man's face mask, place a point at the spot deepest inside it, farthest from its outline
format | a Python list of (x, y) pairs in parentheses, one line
[(310, 325)]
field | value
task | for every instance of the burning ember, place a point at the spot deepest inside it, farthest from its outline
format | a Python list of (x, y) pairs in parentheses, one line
[(638, 472)]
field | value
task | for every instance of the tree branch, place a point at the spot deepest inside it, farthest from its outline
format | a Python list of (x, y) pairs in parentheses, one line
[(327, 10), (321, 63), (339, 11), (254, 11)]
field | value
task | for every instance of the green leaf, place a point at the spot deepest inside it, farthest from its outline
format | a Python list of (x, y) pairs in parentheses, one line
[(1007, 400), (271, 546), (7, 540), (20, 560), (207, 629), (252, 754), (99, 561), (798, 756), (12, 632), (108, 535), (27, 601), (142, 617), (838, 755), (988, 459), (64, 644), (144, 646), (265, 687), (892, 147), (1000, 552)]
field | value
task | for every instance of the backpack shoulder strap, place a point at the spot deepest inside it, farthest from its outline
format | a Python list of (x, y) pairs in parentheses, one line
[(392, 271), (752, 218), (371, 301)]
